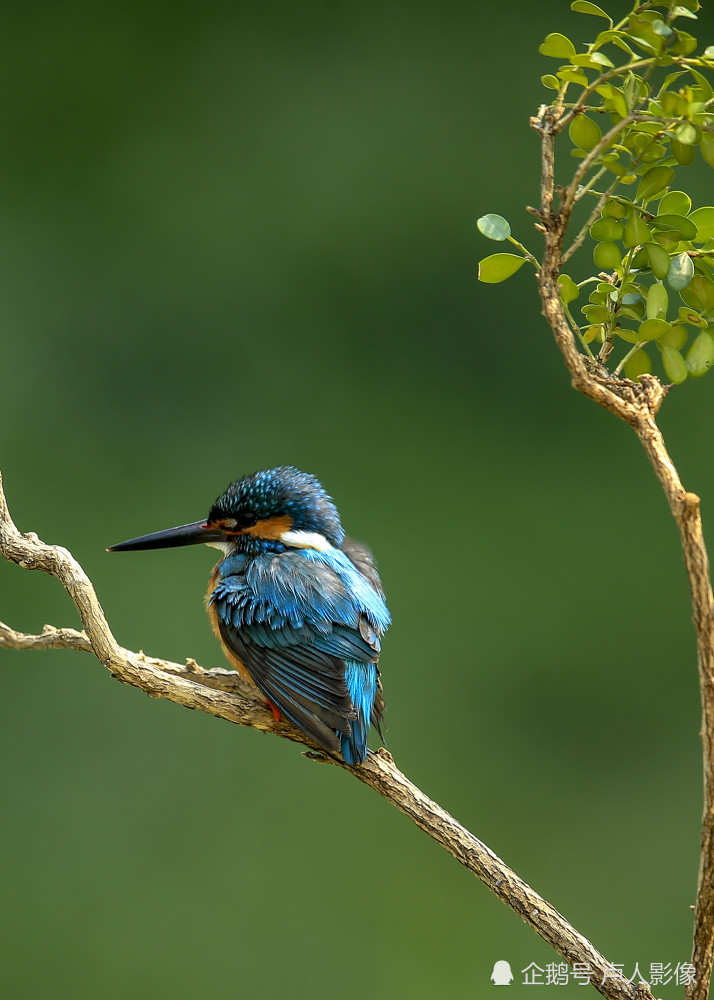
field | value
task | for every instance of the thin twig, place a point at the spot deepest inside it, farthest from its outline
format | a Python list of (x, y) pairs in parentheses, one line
[(571, 192), (218, 693), (594, 215)]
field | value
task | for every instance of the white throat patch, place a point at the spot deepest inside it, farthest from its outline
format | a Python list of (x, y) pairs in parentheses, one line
[(305, 540), (224, 547)]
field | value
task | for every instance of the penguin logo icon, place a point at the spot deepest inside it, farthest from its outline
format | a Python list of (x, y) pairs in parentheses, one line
[(501, 975)]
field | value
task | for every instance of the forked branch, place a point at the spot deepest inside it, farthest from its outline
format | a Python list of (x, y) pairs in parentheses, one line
[(221, 693)]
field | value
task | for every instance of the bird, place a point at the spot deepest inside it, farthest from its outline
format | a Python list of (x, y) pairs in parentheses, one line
[(297, 606)]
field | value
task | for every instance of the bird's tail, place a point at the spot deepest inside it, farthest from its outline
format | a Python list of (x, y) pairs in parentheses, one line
[(362, 684)]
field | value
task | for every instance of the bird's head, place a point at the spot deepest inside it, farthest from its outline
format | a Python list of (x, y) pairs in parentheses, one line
[(280, 506)]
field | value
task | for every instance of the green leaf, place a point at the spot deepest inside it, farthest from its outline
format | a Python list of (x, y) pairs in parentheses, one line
[(640, 258), (592, 332), (638, 364), (635, 89), (583, 7), (611, 161), (699, 293), (681, 272), (652, 329), (614, 36), (550, 81), (675, 203), (621, 44), (706, 146), (654, 181), (630, 293), (708, 52), (644, 129), (614, 97), (657, 302), (682, 154), (641, 31), (573, 76), (569, 291), (673, 104), (652, 152), (703, 219), (494, 227), (691, 318), (498, 267), (685, 44), (636, 231), (687, 134), (675, 367), (700, 355), (667, 239), (658, 259), (558, 46), (607, 256), (598, 58), (676, 337), (607, 229), (614, 208), (596, 314), (669, 79), (680, 11), (651, 48), (703, 83), (584, 132), (685, 228)]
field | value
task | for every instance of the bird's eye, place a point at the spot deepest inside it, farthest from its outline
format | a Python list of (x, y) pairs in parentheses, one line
[(246, 519)]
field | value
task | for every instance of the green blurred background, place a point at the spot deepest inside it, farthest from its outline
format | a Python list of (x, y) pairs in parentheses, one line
[(235, 236)]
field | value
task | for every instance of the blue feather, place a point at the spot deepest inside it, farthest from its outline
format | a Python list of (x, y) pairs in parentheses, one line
[(361, 681)]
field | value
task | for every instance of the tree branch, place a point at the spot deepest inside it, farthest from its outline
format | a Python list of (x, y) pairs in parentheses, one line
[(637, 403), (222, 694)]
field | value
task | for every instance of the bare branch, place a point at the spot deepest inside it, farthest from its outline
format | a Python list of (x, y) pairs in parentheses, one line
[(221, 693), (69, 638), (49, 638)]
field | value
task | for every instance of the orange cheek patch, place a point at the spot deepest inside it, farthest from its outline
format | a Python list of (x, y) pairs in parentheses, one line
[(271, 528)]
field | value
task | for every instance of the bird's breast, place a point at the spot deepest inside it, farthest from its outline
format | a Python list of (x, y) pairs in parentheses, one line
[(213, 618)]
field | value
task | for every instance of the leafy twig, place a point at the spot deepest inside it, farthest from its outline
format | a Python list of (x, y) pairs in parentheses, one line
[(637, 403)]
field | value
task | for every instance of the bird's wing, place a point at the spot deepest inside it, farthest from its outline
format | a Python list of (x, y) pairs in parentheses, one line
[(293, 619), (361, 556)]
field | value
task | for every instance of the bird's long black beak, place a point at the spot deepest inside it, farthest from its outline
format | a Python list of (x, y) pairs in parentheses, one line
[(197, 533)]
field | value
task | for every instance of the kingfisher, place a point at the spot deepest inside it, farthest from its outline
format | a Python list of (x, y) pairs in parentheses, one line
[(296, 605)]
